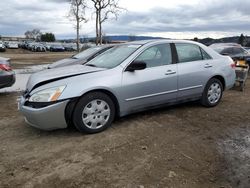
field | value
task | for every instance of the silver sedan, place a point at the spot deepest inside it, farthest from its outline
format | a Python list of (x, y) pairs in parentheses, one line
[(125, 79)]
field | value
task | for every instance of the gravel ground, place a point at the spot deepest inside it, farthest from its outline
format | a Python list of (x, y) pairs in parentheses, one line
[(184, 145)]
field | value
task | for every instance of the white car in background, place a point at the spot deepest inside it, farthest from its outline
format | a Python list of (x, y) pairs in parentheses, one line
[(12, 45)]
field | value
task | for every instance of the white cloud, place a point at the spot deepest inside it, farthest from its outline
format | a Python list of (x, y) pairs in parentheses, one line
[(171, 19)]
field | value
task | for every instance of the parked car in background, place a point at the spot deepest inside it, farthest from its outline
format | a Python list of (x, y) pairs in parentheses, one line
[(47, 46), (127, 78), (7, 75), (57, 48), (82, 57), (235, 52), (224, 44), (247, 49), (38, 48), (12, 45), (70, 47), (2, 47), (28, 45)]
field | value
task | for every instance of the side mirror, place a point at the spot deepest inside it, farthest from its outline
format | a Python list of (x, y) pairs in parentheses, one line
[(136, 65)]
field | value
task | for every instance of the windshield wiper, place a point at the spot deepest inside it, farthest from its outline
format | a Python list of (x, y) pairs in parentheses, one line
[(91, 65)]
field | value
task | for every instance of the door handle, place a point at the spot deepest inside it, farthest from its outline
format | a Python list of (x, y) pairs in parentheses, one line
[(208, 65), (169, 72)]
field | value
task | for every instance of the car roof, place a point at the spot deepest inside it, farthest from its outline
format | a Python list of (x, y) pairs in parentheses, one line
[(143, 42)]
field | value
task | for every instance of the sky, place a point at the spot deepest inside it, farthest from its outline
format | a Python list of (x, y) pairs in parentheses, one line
[(178, 19)]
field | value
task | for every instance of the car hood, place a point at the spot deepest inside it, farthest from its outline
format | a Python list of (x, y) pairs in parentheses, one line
[(61, 63), (50, 75)]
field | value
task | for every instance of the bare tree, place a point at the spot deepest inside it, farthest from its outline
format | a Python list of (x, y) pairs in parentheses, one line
[(104, 9), (33, 34), (77, 13), (28, 35)]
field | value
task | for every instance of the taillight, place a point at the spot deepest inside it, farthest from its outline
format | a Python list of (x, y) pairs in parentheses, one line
[(5, 67), (233, 65)]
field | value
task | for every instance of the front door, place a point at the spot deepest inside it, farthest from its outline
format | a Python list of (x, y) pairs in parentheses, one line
[(154, 85)]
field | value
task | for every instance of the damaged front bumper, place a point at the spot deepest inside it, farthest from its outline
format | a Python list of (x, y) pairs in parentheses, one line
[(50, 117)]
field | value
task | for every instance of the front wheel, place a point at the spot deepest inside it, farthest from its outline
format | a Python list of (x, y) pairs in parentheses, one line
[(94, 113), (212, 93)]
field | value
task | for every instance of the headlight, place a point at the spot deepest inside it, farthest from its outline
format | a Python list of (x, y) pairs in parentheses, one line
[(47, 95)]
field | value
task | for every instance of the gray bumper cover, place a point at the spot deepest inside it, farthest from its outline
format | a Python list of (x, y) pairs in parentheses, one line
[(47, 118)]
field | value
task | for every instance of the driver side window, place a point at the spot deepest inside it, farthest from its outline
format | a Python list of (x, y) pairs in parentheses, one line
[(156, 56)]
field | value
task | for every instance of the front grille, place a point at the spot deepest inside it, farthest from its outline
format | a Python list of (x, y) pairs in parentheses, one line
[(38, 104)]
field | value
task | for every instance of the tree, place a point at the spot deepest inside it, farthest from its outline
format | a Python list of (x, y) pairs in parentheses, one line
[(242, 40), (77, 13), (103, 10), (33, 34), (196, 39), (48, 37)]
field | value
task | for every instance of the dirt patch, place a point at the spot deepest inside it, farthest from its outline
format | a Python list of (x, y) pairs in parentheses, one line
[(180, 146), (21, 57), (236, 150)]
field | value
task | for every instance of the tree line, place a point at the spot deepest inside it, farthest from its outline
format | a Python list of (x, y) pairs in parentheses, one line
[(37, 35), (243, 40)]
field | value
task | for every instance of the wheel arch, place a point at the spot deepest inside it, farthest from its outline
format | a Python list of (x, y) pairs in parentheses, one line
[(111, 95), (69, 110), (222, 80)]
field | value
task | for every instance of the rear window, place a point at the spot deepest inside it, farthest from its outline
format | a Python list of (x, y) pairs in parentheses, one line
[(228, 51), (188, 52), (205, 54), (238, 51)]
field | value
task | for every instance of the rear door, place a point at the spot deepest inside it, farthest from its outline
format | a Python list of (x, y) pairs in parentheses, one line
[(194, 69)]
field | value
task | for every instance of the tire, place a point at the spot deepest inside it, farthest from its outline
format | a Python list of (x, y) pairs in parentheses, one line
[(94, 113), (212, 93)]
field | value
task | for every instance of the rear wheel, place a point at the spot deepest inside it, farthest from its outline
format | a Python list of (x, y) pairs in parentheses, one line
[(212, 93), (94, 113)]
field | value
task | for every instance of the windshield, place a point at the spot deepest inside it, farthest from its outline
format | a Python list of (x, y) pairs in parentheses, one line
[(86, 53), (113, 57), (219, 50), (231, 50)]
